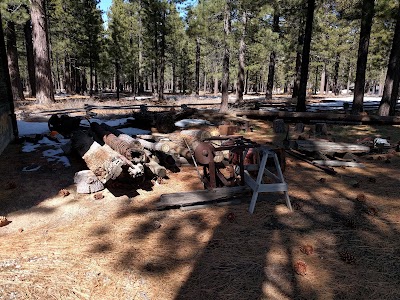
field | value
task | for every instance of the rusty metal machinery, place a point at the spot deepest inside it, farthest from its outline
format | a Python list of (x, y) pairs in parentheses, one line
[(222, 159)]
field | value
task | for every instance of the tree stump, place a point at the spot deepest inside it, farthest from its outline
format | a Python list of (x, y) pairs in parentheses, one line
[(299, 128), (321, 129), (279, 126)]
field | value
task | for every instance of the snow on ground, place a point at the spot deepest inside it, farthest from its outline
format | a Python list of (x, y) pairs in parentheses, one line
[(27, 128), (55, 154), (188, 122)]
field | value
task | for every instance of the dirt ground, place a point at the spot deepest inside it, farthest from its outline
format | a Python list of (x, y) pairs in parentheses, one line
[(121, 247)]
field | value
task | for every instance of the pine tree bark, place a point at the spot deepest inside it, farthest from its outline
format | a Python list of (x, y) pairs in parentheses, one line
[(44, 82), (300, 42), (366, 24), (323, 80), (272, 60), (5, 87), (30, 58), (162, 55), (197, 87), (336, 75), (386, 107), (225, 63), (301, 101), (13, 66), (117, 78), (242, 55)]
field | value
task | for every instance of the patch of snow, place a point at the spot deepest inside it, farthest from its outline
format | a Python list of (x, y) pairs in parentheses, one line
[(27, 128), (188, 122), (54, 155), (31, 168), (29, 147), (134, 131)]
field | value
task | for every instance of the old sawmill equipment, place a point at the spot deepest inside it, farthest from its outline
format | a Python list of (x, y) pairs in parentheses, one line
[(222, 160)]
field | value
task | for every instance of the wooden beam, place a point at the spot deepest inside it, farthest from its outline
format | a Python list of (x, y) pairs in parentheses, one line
[(308, 116), (203, 196), (338, 163), (329, 147)]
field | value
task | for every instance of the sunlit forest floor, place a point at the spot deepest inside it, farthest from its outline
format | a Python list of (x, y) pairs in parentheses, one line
[(121, 247)]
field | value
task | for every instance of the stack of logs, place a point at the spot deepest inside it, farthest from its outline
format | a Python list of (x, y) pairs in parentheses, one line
[(111, 154)]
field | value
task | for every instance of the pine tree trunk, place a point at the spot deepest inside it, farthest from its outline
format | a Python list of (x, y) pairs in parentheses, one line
[(272, 61), (386, 106), (84, 81), (44, 82), (271, 74), (242, 54), (336, 75), (96, 81), (117, 78), (162, 57), (215, 85), (13, 66), (205, 84), (348, 79), (30, 58), (246, 83), (366, 24), (197, 88), (300, 42), (6, 92), (59, 81), (174, 77), (91, 76), (225, 63), (323, 80), (301, 101)]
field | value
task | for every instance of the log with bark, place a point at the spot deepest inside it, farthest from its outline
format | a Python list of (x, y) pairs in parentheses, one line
[(131, 151), (104, 162)]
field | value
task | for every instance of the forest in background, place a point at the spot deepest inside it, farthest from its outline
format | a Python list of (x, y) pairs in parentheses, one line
[(297, 47)]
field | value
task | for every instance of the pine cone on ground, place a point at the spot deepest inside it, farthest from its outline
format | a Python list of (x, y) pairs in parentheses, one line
[(307, 249), (360, 197), (10, 185), (63, 193), (372, 179), (351, 223), (4, 221), (297, 205), (231, 217), (300, 268), (98, 196), (347, 257), (372, 211), (322, 180)]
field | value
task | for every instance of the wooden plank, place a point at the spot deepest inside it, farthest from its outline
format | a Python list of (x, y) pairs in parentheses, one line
[(330, 147), (338, 163), (197, 197)]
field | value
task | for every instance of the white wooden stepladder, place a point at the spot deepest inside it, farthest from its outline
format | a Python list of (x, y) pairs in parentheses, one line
[(257, 185)]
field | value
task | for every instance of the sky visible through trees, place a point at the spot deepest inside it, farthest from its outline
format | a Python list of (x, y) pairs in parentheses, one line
[(294, 47)]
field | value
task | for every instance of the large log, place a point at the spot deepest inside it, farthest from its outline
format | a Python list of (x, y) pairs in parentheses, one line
[(156, 169), (104, 162), (131, 151), (329, 147), (308, 116)]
